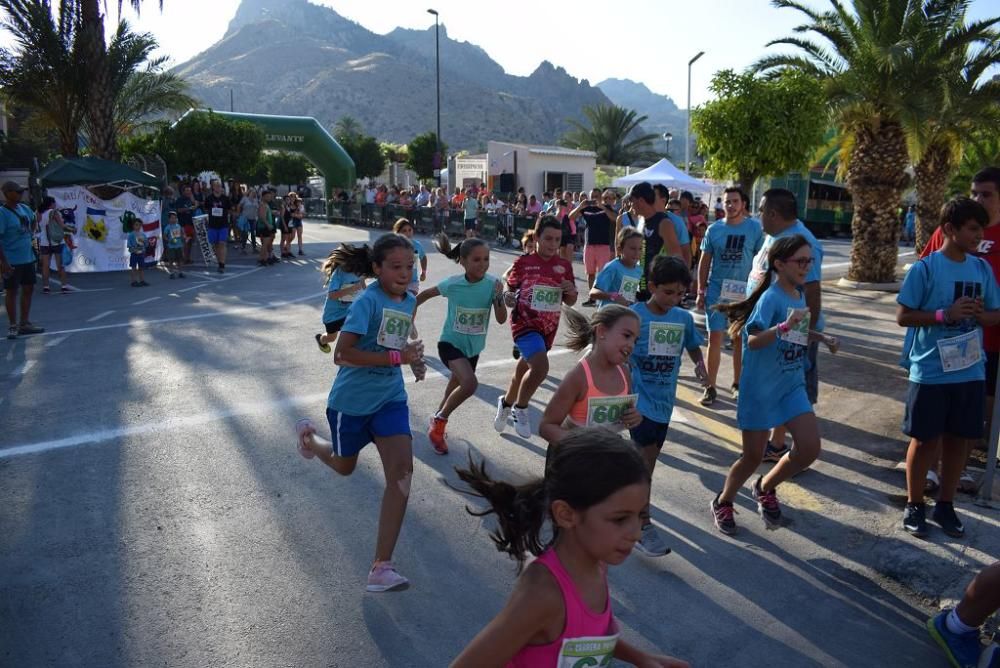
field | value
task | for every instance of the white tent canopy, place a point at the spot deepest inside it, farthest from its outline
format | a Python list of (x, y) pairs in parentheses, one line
[(664, 172)]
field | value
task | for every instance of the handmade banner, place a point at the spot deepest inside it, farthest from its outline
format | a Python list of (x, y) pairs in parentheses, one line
[(99, 242)]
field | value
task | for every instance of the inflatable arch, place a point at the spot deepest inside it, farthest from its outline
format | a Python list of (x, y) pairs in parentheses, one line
[(301, 134)]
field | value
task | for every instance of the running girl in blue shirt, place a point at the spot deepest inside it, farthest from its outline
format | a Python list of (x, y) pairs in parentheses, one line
[(470, 297), (368, 401), (342, 289), (775, 334), (618, 281)]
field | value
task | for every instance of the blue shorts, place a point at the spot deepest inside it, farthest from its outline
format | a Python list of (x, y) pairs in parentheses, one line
[(649, 433), (530, 344), (218, 235), (351, 433), (950, 408), (471, 224), (136, 260), (715, 321)]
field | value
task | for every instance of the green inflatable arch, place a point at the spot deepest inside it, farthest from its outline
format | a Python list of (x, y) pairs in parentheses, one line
[(301, 134)]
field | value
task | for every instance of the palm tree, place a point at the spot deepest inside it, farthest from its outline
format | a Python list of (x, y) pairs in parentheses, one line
[(873, 71), (347, 128), (613, 135), (42, 71)]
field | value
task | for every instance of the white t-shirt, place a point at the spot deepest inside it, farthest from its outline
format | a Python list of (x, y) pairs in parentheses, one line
[(370, 196)]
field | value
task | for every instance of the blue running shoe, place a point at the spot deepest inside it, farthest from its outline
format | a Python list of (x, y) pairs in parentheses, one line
[(962, 649), (990, 658)]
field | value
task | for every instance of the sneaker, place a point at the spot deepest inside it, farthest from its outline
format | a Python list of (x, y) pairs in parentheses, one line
[(962, 649), (503, 412), (135, 284), (651, 544), (46, 290), (772, 453), (590, 303), (767, 505), (722, 515), (65, 290), (301, 253), (221, 269), (735, 390), (12, 332), (914, 519), (180, 274), (28, 328), (944, 516), (143, 284), (436, 435), (522, 421), (708, 397), (383, 577), (324, 347), (303, 428)]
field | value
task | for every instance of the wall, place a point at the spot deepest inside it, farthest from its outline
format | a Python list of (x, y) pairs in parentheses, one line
[(531, 167)]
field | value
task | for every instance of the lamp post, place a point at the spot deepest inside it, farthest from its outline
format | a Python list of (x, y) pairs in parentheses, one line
[(437, 68), (687, 135), (669, 138)]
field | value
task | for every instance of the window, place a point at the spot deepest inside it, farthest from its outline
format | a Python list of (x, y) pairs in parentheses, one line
[(574, 182)]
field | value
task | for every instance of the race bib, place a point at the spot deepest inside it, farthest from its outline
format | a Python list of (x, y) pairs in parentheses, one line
[(630, 286), (733, 291), (394, 329), (470, 321), (608, 411), (586, 652), (665, 339), (960, 352), (546, 298), (798, 335), (217, 212)]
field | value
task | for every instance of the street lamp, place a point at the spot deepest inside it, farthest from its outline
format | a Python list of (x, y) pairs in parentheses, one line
[(669, 138), (687, 136), (437, 67)]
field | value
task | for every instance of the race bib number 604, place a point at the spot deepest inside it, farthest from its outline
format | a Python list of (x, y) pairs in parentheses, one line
[(394, 329), (665, 339)]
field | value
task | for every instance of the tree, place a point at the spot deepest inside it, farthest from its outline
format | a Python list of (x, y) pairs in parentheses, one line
[(42, 72), (202, 142), (420, 154), (286, 168), (980, 150), (873, 73), (365, 151), (613, 134), (758, 127), (347, 128)]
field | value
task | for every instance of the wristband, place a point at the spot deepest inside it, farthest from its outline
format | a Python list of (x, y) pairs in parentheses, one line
[(395, 359), (783, 327), (702, 293), (939, 316), (614, 296)]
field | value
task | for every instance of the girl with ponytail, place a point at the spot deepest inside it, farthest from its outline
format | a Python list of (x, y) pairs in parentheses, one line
[(773, 324), (594, 495), (471, 295)]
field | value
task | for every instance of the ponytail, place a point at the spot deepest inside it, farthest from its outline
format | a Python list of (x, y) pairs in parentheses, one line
[(582, 331), (459, 252), (329, 266), (360, 260)]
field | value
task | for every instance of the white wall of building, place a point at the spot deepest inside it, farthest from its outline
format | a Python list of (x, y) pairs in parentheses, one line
[(533, 162)]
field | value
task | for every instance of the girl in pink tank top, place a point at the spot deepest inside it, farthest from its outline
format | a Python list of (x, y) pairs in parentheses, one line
[(596, 392), (594, 493)]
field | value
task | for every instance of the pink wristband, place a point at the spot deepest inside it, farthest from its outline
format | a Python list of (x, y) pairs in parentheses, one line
[(939, 316), (614, 296), (395, 359), (783, 327)]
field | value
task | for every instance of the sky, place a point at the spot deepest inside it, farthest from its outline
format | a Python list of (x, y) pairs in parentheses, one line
[(650, 41)]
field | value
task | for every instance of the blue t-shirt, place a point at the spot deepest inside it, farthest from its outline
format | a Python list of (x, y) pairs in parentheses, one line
[(468, 316), (772, 376), (910, 222), (656, 358), (377, 319), (681, 227), (336, 309), (733, 248), (760, 260), (419, 254), (616, 277), (174, 235), (136, 243), (16, 233), (936, 282)]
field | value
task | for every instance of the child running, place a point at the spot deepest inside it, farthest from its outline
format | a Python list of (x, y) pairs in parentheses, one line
[(405, 227), (368, 401), (596, 392), (538, 284), (665, 332), (618, 280), (528, 246), (774, 328), (594, 493), (470, 297), (342, 289)]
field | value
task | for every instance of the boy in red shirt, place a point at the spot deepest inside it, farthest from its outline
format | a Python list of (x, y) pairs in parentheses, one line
[(538, 285)]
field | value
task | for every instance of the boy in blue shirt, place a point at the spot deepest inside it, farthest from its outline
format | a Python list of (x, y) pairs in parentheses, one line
[(136, 243), (946, 300)]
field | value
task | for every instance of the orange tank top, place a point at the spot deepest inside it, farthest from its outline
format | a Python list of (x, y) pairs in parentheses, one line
[(578, 413)]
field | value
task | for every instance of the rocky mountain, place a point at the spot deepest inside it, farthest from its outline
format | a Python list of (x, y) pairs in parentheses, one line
[(293, 57), (664, 116)]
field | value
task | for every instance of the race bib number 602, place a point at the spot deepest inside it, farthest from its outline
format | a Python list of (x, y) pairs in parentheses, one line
[(546, 298)]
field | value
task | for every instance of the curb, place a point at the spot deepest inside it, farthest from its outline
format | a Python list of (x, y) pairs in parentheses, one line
[(877, 287)]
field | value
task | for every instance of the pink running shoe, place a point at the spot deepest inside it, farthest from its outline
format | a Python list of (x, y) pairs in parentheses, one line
[(384, 577), (303, 428)]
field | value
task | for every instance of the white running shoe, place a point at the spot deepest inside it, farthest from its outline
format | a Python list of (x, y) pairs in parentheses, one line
[(522, 421), (503, 412)]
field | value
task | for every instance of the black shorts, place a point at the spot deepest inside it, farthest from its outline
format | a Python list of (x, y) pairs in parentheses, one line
[(471, 224), (991, 373), (953, 408), (265, 232), (23, 274), (334, 327), (448, 353), (650, 433)]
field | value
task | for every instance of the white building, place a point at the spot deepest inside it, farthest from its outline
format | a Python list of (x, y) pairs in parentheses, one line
[(539, 168)]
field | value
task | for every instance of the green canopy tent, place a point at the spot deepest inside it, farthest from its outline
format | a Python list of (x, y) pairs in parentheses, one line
[(95, 172)]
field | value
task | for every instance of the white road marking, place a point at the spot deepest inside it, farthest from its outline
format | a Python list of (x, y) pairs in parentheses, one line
[(144, 301), (221, 280), (56, 341), (73, 288), (23, 369), (99, 316)]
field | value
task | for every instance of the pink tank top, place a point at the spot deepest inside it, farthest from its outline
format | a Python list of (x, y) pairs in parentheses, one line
[(581, 409), (585, 634)]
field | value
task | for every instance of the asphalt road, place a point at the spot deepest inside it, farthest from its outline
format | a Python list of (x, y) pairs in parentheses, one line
[(154, 510)]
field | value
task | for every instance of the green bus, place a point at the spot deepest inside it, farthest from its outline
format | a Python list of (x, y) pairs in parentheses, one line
[(824, 203)]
